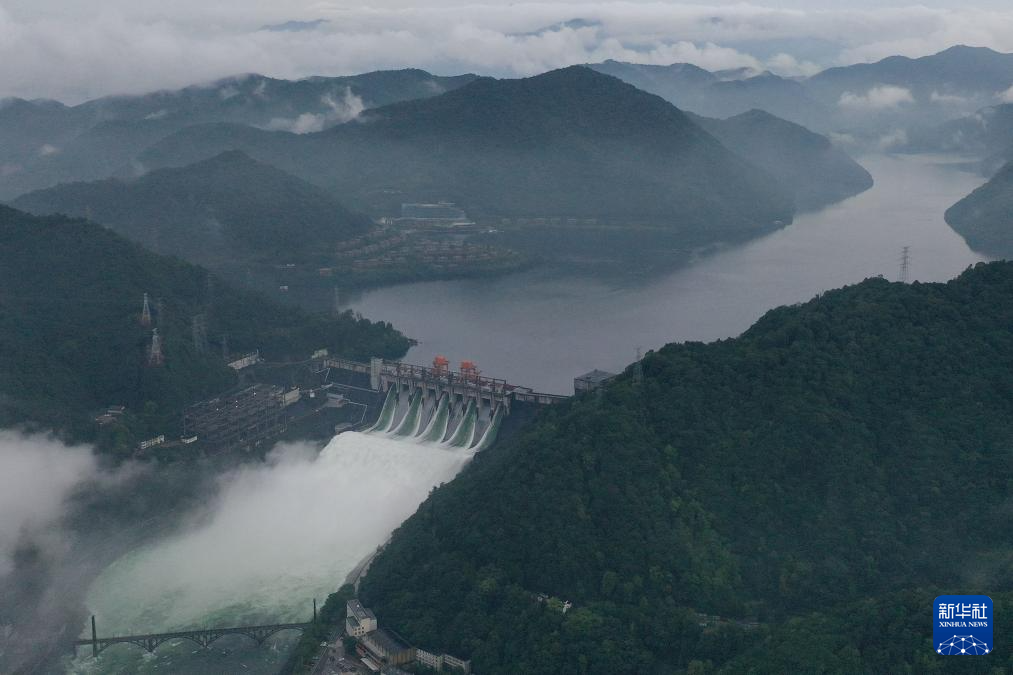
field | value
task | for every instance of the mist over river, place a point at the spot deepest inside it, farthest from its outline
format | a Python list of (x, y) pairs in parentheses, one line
[(542, 328), (276, 536)]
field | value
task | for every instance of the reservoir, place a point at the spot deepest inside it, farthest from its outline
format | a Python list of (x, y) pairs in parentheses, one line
[(541, 328)]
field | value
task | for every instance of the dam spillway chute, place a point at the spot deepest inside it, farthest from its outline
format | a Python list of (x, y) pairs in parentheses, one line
[(464, 436), (490, 432), (409, 425), (436, 430), (386, 417), (454, 410)]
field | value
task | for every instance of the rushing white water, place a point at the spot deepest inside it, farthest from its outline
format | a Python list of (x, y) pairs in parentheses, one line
[(277, 536)]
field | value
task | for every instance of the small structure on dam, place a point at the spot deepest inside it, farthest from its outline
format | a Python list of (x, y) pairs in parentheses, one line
[(459, 408)]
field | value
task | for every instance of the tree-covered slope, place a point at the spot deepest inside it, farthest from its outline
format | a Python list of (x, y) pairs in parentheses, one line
[(806, 164), (721, 94), (569, 143), (223, 210), (984, 218), (826, 474), (71, 340), (46, 143)]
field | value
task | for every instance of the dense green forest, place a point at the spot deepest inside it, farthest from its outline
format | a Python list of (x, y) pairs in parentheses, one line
[(71, 342), (824, 475), (227, 211), (984, 218)]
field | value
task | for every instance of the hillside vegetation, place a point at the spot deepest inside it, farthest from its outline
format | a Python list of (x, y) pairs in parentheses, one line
[(224, 211), (46, 142), (71, 342), (569, 143), (984, 218), (806, 164), (826, 475)]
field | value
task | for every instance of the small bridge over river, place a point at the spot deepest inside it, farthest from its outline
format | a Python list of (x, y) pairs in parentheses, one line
[(203, 637)]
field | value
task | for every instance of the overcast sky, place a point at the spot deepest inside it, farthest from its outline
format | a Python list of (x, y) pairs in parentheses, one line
[(78, 49)]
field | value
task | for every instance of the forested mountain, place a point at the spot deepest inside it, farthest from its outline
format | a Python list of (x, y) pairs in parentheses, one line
[(720, 94), (71, 340), (274, 103), (984, 218), (569, 143), (865, 100), (959, 70), (46, 142), (824, 475), (806, 164), (222, 212)]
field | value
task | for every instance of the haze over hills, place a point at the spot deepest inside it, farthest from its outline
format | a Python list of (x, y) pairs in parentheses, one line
[(867, 100), (71, 342), (806, 164), (987, 134), (984, 218), (223, 212), (47, 142), (721, 95), (810, 483), (957, 71), (569, 143)]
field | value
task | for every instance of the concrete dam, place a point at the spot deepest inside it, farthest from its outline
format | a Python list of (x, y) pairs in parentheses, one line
[(461, 409)]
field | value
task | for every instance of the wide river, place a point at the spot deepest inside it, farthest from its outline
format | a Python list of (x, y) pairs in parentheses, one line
[(541, 329)]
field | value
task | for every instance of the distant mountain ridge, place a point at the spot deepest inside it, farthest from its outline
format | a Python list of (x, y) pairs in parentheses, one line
[(220, 211), (569, 143), (867, 99), (987, 134), (711, 94), (47, 142), (805, 163)]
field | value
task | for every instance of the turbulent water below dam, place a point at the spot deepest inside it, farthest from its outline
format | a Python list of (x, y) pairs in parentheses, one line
[(276, 536)]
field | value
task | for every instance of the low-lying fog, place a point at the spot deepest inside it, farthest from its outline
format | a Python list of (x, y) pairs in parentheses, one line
[(258, 545), (276, 536)]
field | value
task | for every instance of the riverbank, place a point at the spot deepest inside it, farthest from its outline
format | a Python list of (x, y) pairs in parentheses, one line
[(587, 320)]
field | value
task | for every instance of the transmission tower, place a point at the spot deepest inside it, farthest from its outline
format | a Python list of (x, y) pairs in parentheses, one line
[(337, 301), (199, 326), (146, 312), (225, 348), (905, 263), (155, 357)]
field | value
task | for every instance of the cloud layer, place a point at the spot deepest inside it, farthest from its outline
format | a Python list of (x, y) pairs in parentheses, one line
[(884, 97), (71, 51), (37, 475)]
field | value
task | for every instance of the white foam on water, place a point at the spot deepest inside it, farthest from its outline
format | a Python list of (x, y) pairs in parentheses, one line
[(278, 535)]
